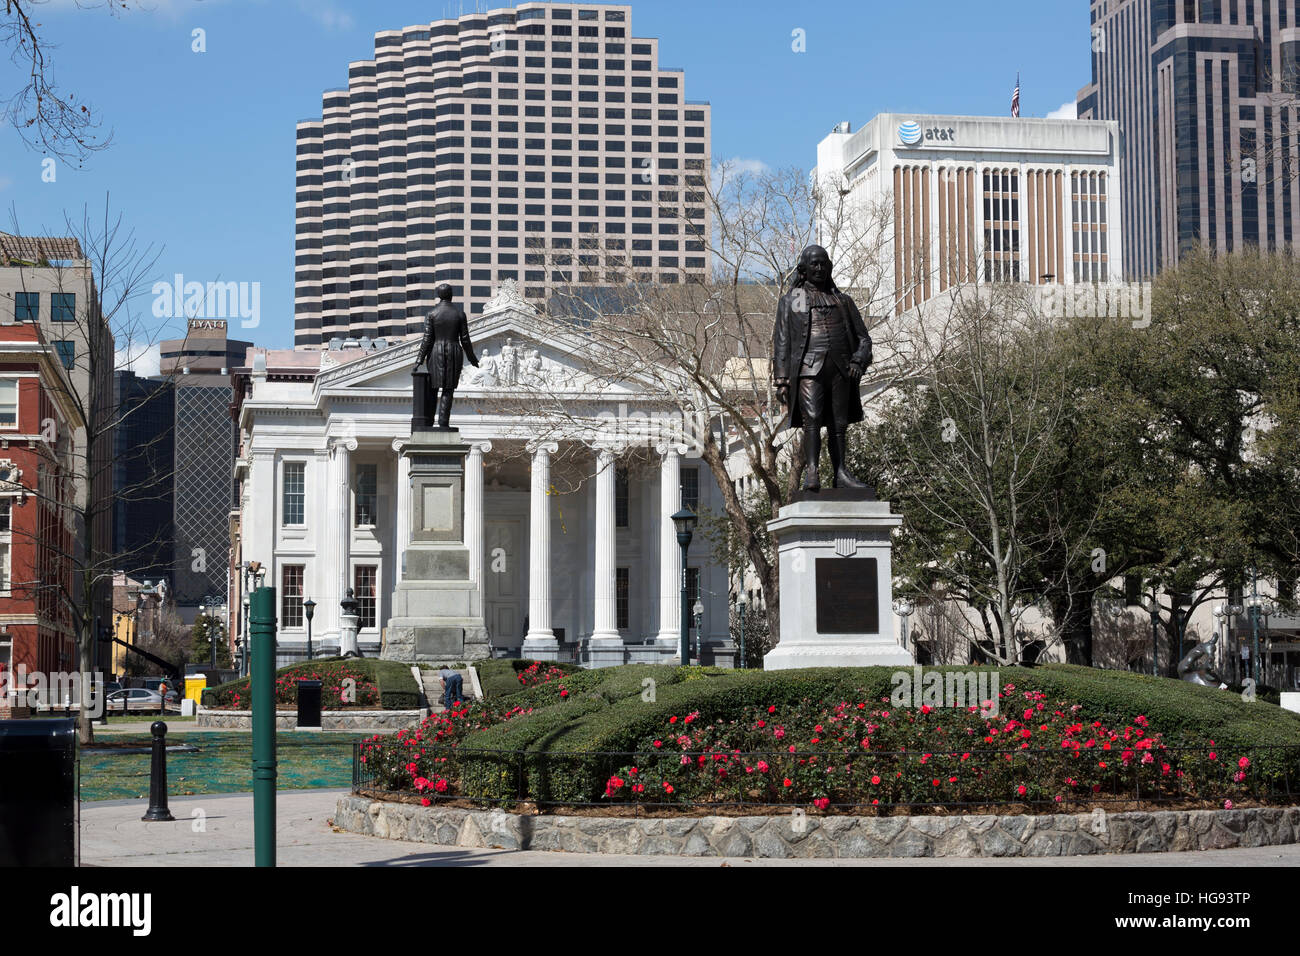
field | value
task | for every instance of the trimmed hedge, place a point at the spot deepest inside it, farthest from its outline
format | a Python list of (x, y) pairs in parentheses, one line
[(396, 683), (614, 709), (500, 677)]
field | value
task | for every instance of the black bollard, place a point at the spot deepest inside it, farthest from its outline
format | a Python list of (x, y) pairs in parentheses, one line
[(158, 776)]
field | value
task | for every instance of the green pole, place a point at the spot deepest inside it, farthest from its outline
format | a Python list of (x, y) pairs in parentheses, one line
[(262, 628)]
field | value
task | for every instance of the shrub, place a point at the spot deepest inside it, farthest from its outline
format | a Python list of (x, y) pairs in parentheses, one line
[(388, 685), (588, 721)]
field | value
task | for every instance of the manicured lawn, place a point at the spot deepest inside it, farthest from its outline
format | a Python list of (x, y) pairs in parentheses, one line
[(222, 764)]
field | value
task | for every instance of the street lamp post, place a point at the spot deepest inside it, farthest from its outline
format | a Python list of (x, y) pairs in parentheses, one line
[(740, 606), (210, 604), (309, 609), (1153, 608), (685, 522)]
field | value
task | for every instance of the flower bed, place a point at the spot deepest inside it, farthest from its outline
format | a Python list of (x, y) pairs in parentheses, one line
[(716, 740), (345, 685)]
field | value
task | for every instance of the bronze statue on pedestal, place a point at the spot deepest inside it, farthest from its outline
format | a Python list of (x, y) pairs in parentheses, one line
[(820, 349), (445, 346)]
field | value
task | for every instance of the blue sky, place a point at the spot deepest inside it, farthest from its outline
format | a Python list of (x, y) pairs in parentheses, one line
[(202, 158)]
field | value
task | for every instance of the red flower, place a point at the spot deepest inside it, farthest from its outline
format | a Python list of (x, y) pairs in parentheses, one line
[(788, 782), (821, 803), (875, 780), (1022, 790)]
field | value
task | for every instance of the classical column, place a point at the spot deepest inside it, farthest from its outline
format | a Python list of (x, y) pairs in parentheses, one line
[(474, 509), (606, 629), (402, 521), (340, 494), (540, 642), (670, 555)]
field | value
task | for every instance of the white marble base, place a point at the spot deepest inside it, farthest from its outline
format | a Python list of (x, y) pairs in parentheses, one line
[(831, 530)]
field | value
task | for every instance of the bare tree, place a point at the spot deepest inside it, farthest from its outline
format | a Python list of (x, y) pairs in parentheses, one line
[(45, 116), (970, 445)]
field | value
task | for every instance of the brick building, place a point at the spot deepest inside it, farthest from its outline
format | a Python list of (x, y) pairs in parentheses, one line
[(37, 560)]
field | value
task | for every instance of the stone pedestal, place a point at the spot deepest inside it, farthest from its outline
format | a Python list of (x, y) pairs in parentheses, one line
[(836, 583), (349, 625), (437, 606)]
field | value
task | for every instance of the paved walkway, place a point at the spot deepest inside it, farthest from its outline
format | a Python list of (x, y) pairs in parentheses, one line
[(217, 830)]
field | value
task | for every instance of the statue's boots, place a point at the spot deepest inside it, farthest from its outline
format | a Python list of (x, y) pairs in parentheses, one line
[(843, 478), (812, 446), (444, 409)]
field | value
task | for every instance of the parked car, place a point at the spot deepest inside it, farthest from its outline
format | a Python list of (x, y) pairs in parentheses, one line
[(138, 698)]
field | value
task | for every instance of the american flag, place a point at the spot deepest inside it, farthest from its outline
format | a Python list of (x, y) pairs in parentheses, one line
[(1015, 98)]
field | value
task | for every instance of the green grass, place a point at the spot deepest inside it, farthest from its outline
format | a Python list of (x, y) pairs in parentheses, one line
[(223, 764)]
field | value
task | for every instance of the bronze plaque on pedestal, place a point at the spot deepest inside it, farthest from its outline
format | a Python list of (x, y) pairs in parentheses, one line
[(848, 600)]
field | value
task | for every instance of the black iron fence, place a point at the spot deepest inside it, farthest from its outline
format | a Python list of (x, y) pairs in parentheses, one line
[(872, 781)]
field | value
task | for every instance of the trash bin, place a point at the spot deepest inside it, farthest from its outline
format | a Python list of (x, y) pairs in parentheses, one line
[(309, 703), (38, 792)]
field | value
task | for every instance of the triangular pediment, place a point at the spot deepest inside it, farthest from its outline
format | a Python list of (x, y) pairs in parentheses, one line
[(515, 355)]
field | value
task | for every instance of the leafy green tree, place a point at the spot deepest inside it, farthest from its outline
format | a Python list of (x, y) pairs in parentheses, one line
[(205, 630)]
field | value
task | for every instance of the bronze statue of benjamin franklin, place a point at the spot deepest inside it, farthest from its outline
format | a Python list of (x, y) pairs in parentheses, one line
[(444, 348), (820, 349)]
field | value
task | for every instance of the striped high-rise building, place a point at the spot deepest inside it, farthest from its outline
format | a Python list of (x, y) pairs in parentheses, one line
[(960, 199), (1206, 96), (526, 144)]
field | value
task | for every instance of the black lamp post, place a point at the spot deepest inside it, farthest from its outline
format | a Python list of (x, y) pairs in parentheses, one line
[(685, 521), (740, 606), (210, 606), (1153, 608), (309, 608)]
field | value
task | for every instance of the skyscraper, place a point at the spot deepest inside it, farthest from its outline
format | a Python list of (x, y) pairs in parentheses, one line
[(525, 143), (1205, 94)]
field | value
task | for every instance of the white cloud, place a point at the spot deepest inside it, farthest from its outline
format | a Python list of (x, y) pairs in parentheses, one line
[(142, 359), (1069, 110), (737, 165), (326, 14)]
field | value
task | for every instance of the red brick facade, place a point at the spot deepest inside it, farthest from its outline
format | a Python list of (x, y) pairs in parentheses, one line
[(37, 534)]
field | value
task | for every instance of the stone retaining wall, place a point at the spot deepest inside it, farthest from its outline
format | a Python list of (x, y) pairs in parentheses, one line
[(358, 720), (788, 835)]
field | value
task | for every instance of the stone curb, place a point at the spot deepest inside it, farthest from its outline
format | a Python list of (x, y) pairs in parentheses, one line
[(806, 836), (358, 720)]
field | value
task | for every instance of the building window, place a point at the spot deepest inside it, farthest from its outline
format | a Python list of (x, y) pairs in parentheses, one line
[(621, 583), (67, 353), (8, 403), (6, 514), (367, 491), (27, 306), (620, 496), (364, 577), (63, 306), (291, 595), (295, 492), (691, 489), (4, 567)]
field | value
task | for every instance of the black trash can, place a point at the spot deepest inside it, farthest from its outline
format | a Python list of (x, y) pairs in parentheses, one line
[(309, 703), (38, 792)]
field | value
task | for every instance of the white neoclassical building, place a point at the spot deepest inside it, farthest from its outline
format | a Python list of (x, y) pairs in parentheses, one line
[(567, 511)]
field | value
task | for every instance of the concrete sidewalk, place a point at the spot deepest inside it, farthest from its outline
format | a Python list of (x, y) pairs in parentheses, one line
[(217, 830)]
